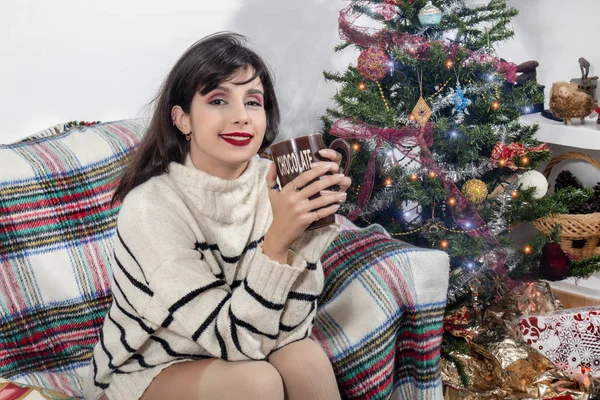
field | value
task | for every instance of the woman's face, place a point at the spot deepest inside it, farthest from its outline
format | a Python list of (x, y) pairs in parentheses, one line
[(227, 125)]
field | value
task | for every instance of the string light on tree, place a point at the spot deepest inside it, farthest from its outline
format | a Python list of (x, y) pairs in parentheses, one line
[(444, 244), (414, 177), (432, 174), (495, 105), (525, 160), (514, 194), (452, 201), (362, 86), (388, 182), (449, 64), (356, 146), (527, 249)]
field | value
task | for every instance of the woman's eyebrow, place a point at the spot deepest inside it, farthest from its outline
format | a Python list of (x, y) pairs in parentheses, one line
[(255, 91)]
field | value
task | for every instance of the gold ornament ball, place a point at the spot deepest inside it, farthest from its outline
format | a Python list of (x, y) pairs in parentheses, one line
[(475, 191)]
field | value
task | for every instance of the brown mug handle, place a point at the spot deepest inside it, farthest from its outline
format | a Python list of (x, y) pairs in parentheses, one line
[(346, 149)]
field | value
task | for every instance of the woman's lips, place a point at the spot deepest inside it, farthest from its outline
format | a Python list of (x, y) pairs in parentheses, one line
[(239, 139)]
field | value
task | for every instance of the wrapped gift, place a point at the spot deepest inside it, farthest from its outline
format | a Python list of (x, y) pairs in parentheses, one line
[(569, 338)]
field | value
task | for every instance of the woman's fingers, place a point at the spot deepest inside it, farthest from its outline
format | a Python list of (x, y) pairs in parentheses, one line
[(332, 155), (326, 200), (325, 212), (334, 167), (308, 176), (325, 182)]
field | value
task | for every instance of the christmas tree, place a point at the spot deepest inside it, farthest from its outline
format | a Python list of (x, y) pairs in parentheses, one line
[(441, 160)]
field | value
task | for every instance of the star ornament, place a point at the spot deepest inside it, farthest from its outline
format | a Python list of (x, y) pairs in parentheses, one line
[(422, 112)]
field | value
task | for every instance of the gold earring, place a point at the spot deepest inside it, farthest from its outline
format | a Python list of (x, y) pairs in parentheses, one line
[(188, 136)]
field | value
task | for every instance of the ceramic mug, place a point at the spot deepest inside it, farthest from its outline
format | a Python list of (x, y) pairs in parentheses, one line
[(296, 155)]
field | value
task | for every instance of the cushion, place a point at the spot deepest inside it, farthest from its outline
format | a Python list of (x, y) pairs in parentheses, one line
[(18, 391), (56, 225), (381, 313)]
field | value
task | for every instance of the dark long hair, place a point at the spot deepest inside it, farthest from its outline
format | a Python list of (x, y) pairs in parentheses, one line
[(207, 63)]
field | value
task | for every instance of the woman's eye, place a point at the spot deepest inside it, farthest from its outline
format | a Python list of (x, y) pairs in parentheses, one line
[(218, 102), (254, 103)]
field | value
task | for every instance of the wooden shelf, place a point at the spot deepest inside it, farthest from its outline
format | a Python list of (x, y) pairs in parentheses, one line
[(585, 136)]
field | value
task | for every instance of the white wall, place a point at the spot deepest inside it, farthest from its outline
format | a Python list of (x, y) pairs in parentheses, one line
[(86, 60), (104, 60)]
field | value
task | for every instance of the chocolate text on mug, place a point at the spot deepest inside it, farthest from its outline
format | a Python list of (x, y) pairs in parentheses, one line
[(295, 163)]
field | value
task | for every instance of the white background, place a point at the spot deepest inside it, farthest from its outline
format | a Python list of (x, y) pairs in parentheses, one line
[(104, 60)]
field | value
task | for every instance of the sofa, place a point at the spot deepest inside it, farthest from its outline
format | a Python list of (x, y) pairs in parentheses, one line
[(379, 318)]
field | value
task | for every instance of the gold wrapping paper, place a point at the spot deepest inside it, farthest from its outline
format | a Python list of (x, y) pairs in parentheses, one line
[(501, 366)]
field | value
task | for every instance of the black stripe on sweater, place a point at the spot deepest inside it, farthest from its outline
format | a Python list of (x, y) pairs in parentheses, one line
[(287, 328), (122, 334), (311, 266), (221, 343), (141, 361), (169, 350), (122, 292), (236, 339), (249, 327), (203, 246), (236, 283), (133, 317), (131, 255), (96, 383), (133, 281), (165, 345), (210, 318), (108, 354), (302, 296), (264, 302), (189, 297)]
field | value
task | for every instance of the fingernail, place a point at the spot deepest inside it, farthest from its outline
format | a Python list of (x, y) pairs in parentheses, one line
[(342, 197), (339, 176), (326, 166), (337, 206), (315, 165), (324, 152)]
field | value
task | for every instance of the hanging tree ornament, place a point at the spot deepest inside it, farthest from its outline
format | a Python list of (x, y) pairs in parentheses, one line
[(475, 191), (555, 265), (374, 65), (461, 102), (430, 15), (422, 112)]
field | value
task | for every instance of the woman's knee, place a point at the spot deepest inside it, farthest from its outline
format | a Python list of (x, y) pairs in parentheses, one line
[(258, 379)]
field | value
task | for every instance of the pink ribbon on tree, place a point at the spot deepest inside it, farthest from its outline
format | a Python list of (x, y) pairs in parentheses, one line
[(357, 130), (417, 45)]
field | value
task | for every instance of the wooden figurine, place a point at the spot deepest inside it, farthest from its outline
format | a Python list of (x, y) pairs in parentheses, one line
[(567, 102), (586, 83)]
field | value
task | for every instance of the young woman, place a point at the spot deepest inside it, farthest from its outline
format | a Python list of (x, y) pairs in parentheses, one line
[(215, 280)]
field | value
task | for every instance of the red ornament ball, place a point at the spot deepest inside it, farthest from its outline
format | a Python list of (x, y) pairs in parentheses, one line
[(374, 64), (555, 265)]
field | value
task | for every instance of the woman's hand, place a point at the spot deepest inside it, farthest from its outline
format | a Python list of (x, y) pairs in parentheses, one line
[(293, 211), (336, 159)]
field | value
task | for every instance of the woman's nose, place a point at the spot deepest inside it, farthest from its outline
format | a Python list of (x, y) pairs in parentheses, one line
[(240, 114)]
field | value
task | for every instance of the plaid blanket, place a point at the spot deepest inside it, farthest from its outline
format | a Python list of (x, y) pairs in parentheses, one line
[(380, 317), (381, 313)]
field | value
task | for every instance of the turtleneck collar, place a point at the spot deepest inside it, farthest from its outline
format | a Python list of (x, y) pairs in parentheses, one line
[(222, 200)]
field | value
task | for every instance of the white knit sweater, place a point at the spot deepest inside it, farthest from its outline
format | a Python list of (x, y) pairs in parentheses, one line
[(190, 280)]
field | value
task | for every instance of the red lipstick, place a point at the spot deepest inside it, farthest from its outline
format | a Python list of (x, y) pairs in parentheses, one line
[(239, 139)]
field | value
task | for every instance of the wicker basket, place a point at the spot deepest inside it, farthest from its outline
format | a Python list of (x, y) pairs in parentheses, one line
[(580, 233)]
